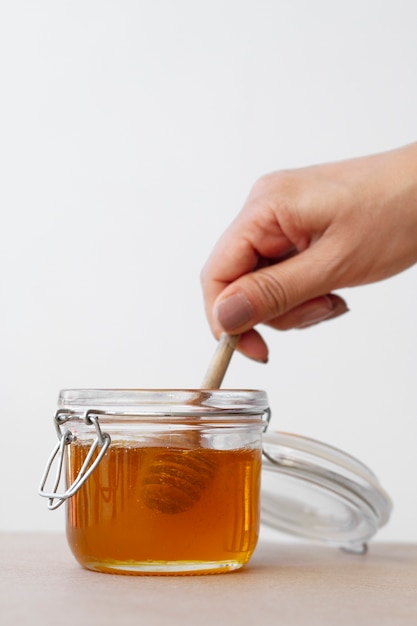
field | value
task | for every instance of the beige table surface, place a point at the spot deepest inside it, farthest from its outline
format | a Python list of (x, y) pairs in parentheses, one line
[(285, 583)]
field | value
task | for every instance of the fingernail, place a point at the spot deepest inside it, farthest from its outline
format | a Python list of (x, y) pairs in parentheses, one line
[(339, 309), (325, 311), (233, 312), (320, 312)]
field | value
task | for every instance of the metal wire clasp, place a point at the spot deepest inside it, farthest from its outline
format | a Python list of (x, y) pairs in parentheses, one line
[(66, 437), (267, 416)]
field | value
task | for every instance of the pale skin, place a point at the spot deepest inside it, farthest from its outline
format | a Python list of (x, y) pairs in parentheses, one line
[(304, 233)]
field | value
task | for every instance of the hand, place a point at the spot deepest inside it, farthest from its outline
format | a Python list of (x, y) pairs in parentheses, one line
[(304, 233)]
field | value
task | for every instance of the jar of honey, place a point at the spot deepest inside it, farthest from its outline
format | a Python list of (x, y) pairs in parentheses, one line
[(159, 481), (169, 481)]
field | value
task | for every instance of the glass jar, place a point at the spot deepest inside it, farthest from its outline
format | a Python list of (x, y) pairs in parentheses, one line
[(160, 481), (168, 481)]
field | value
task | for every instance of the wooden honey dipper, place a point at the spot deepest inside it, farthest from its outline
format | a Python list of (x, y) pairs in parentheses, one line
[(175, 479), (220, 361)]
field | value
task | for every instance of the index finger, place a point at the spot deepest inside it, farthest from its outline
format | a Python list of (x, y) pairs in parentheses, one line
[(254, 239)]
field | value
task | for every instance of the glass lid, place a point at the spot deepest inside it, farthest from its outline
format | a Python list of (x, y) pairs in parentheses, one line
[(316, 491)]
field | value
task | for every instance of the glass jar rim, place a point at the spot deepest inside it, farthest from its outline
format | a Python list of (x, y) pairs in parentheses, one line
[(165, 401)]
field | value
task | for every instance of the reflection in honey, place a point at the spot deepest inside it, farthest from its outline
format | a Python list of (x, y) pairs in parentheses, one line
[(148, 505)]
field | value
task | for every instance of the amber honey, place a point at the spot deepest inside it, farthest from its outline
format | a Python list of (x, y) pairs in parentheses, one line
[(163, 510)]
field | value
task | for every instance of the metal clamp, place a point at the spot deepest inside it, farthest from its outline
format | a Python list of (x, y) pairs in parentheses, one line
[(267, 415), (66, 437)]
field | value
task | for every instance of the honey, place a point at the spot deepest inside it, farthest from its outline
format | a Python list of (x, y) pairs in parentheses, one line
[(153, 509), (158, 481)]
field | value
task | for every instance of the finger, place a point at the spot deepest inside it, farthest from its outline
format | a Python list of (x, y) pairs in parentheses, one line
[(245, 246), (272, 292), (252, 345), (311, 312)]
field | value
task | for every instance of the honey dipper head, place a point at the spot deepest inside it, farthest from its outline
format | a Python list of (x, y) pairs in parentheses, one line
[(175, 478)]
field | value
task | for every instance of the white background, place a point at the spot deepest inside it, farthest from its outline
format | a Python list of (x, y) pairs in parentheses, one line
[(130, 135)]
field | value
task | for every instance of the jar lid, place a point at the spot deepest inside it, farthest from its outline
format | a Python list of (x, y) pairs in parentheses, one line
[(316, 491)]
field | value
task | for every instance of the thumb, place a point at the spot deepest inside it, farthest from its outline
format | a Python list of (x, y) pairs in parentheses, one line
[(268, 293)]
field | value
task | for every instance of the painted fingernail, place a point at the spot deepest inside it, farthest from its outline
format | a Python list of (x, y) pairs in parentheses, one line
[(318, 314), (324, 311), (339, 309), (233, 312)]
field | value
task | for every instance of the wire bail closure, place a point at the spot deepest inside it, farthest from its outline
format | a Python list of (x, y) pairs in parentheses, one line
[(102, 440), (267, 413)]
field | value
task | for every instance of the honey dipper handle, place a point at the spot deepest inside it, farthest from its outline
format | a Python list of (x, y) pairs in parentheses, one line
[(219, 362)]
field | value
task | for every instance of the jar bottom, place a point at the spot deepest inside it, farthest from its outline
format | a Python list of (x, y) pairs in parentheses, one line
[(163, 568)]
